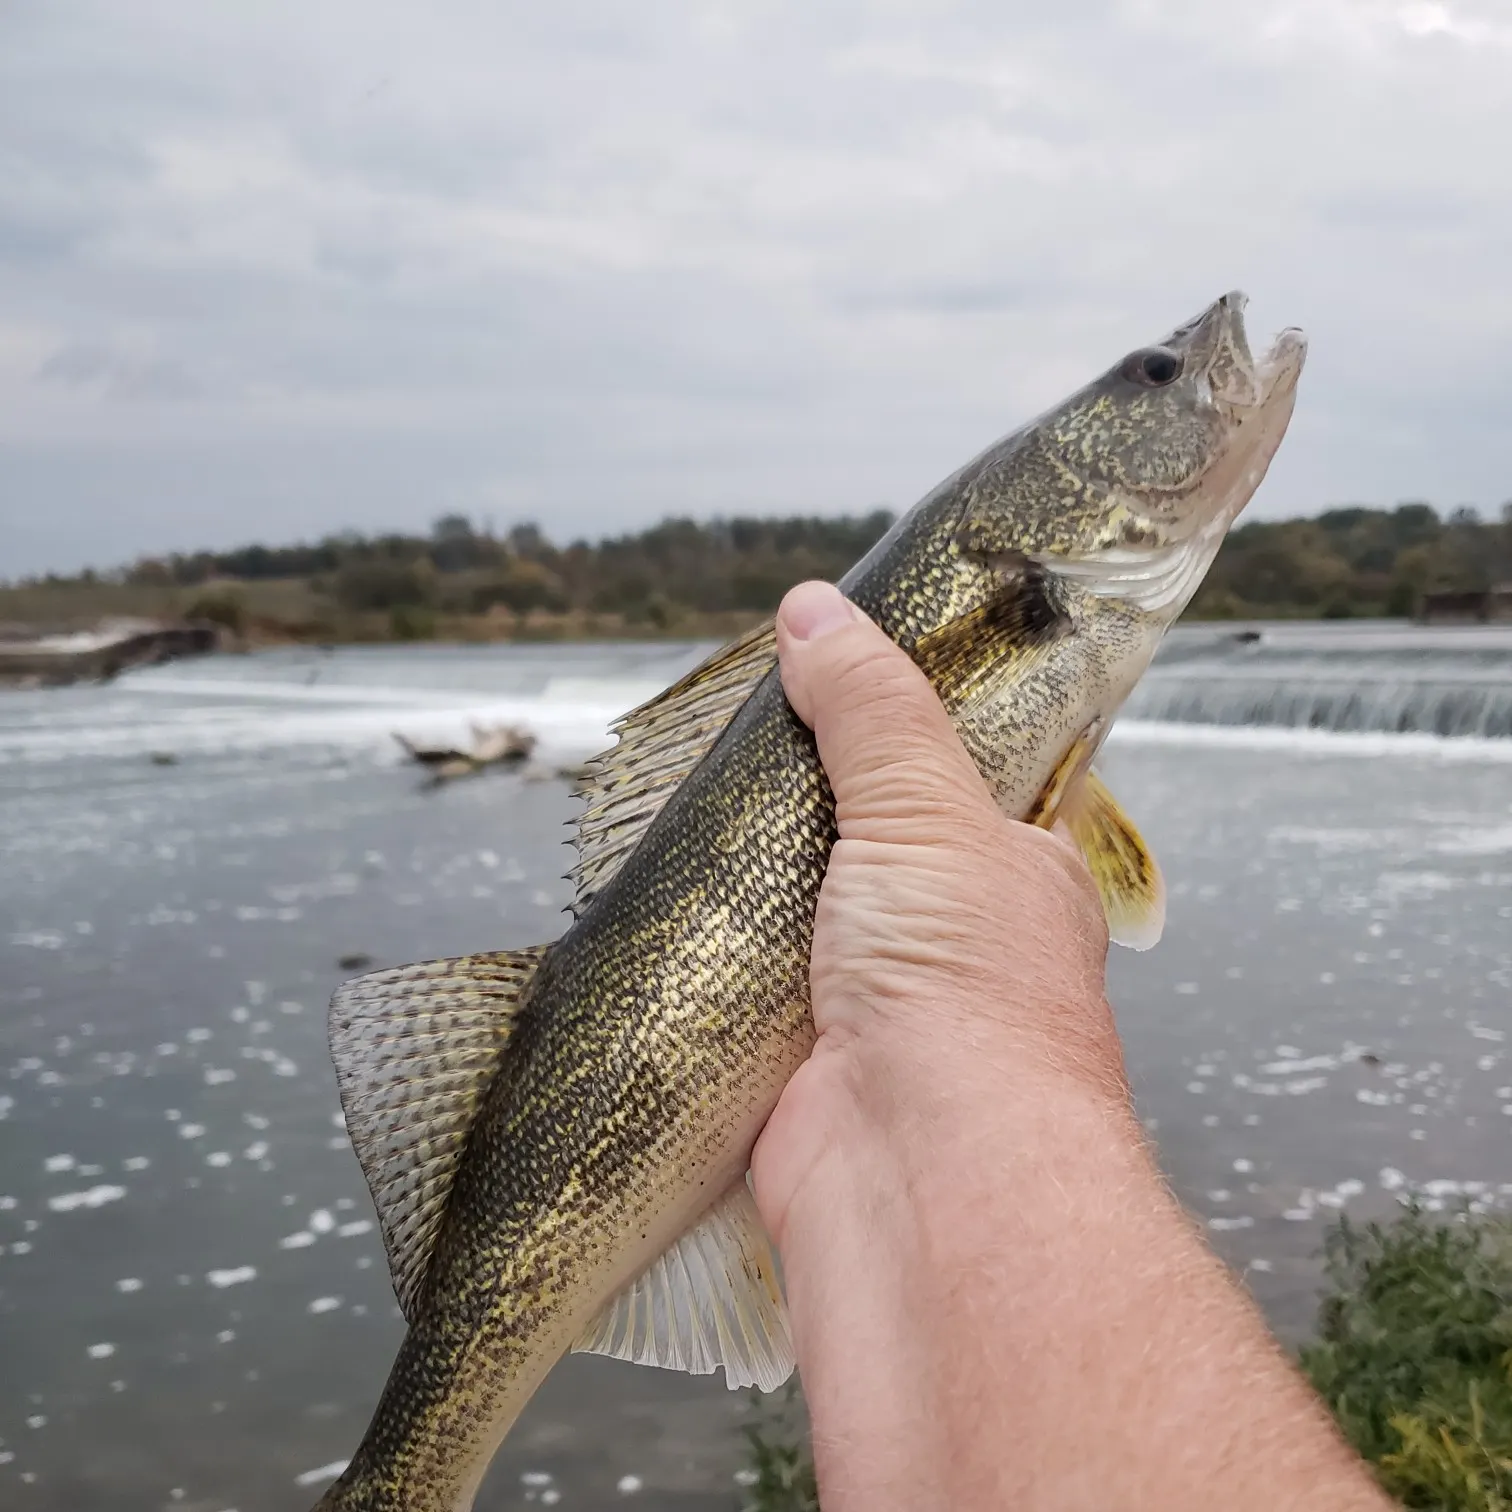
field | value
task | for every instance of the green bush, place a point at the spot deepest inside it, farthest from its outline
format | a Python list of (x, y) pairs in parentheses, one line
[(219, 606), (383, 583), (780, 1470), (408, 622), (1414, 1355)]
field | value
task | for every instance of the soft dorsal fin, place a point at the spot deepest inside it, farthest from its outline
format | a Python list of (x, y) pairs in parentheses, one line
[(1127, 875), (415, 1048), (659, 744), (712, 1299)]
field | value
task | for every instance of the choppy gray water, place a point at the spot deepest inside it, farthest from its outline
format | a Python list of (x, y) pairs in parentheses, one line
[(194, 1310)]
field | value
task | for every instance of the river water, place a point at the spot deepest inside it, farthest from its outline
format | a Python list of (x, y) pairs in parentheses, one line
[(194, 1307)]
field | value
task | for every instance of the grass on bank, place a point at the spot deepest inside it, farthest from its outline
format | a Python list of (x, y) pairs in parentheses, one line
[(1413, 1354)]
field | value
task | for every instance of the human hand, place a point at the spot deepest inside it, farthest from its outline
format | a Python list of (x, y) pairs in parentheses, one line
[(952, 946)]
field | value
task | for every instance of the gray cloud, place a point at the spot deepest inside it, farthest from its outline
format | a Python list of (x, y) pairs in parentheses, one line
[(270, 271)]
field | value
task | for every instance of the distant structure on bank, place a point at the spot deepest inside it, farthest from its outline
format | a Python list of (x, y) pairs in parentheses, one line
[(29, 659), (1479, 606)]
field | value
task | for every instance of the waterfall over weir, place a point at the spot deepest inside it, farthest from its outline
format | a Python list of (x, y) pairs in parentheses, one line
[(1389, 678)]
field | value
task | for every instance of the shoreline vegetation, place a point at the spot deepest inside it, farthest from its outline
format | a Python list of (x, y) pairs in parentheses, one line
[(1412, 1353), (685, 579)]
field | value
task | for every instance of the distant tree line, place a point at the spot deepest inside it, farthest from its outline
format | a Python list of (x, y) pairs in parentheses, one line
[(1355, 561), (1343, 562)]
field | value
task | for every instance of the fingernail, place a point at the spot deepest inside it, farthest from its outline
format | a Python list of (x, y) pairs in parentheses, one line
[(814, 609)]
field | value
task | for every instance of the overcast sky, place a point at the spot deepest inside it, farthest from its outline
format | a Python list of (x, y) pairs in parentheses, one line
[(269, 270)]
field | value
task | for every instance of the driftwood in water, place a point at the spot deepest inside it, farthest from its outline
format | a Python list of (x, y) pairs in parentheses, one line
[(497, 745)]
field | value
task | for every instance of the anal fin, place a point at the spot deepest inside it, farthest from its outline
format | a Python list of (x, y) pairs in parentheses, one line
[(415, 1049), (713, 1299)]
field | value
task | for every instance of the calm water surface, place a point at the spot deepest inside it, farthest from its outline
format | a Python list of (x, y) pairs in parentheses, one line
[(194, 1306)]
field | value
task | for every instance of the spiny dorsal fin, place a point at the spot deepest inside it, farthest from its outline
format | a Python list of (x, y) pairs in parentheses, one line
[(659, 744), (712, 1299), (1128, 877), (415, 1048)]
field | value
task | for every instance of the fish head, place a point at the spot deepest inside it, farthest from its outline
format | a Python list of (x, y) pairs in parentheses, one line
[(1130, 485)]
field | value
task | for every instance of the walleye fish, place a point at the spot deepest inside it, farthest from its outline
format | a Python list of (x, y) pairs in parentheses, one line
[(557, 1139)]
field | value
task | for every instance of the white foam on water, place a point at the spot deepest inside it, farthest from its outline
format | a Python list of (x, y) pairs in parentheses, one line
[(1345, 743), (1291, 1067), (93, 1197), (321, 1473), (567, 715), (324, 1305), (129, 1284), (39, 939), (236, 1276), (101, 1351)]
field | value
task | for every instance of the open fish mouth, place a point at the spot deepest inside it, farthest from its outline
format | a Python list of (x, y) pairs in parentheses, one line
[(1237, 377)]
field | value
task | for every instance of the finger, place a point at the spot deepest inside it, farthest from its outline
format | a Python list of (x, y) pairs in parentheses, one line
[(892, 756)]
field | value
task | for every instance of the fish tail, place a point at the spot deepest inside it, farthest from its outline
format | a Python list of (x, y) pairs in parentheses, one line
[(366, 1487), (437, 1424)]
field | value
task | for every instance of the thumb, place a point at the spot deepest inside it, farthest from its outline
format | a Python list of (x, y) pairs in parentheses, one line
[(895, 764)]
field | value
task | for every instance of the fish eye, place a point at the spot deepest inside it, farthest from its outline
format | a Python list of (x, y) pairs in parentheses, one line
[(1154, 367)]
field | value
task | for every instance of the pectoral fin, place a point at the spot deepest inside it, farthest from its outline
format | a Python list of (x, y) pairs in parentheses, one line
[(973, 652), (712, 1299)]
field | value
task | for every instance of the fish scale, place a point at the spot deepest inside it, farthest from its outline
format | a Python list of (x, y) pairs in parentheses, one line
[(558, 1140)]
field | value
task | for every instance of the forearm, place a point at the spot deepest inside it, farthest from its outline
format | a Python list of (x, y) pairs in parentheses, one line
[(997, 1303)]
